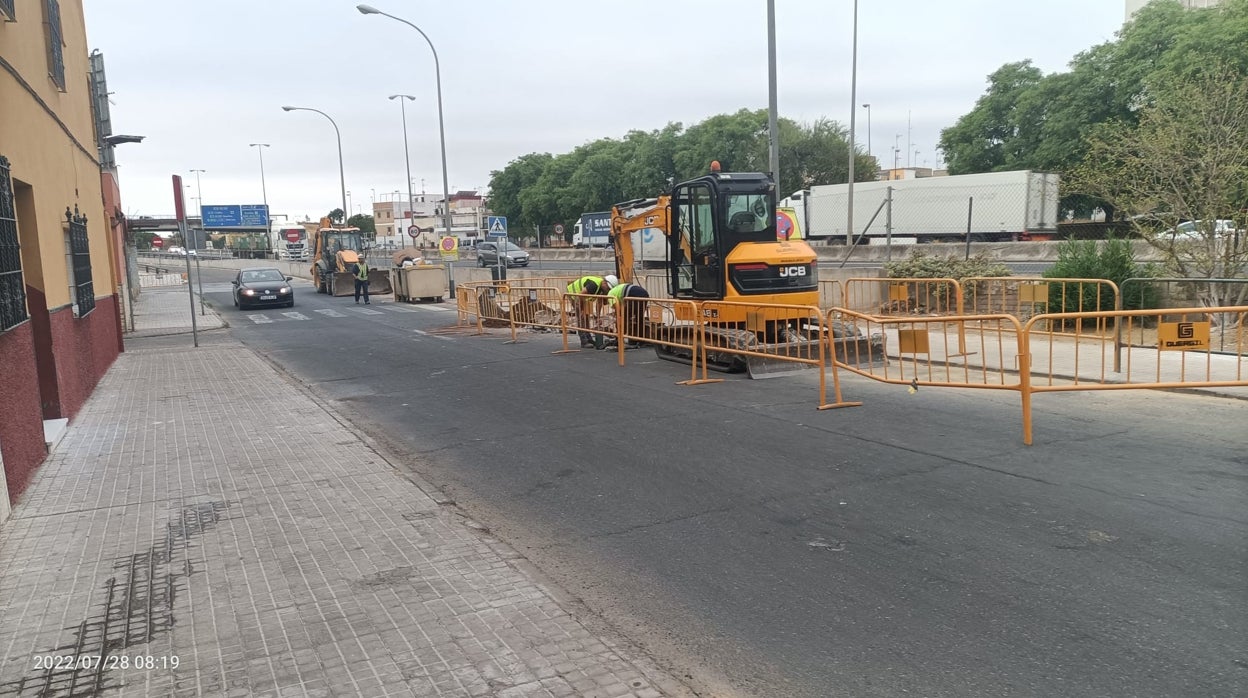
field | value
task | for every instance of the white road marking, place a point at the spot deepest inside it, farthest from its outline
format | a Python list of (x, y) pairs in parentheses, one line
[(295, 315), (399, 308), (329, 312), (260, 319), (367, 311), (422, 333)]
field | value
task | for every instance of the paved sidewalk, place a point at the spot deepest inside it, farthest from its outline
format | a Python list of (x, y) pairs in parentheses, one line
[(234, 538), (161, 311)]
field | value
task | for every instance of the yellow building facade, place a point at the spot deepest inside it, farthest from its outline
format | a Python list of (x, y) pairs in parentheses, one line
[(60, 325)]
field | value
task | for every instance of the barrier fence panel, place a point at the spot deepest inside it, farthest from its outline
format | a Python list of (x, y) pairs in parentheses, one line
[(928, 350), (1025, 297), (654, 282), (537, 307), (1161, 292), (465, 297), (1168, 348), (830, 294), (887, 297), (668, 325), (771, 340)]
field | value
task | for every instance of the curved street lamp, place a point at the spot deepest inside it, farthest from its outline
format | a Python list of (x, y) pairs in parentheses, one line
[(264, 192), (342, 177), (437, 67), (407, 159)]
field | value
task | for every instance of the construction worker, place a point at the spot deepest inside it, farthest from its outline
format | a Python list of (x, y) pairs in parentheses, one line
[(589, 286), (634, 314), (361, 281)]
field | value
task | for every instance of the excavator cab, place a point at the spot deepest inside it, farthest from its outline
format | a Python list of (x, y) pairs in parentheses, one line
[(722, 238)]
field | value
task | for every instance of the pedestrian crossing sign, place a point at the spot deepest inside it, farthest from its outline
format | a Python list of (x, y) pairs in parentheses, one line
[(497, 226)]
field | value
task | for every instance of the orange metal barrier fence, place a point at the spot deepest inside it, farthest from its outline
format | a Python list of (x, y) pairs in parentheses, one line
[(887, 297), (1025, 297)]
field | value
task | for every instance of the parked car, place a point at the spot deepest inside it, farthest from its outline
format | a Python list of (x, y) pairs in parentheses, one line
[(1191, 230), (514, 256), (259, 286)]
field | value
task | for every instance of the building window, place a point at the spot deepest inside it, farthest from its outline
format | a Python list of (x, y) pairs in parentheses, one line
[(56, 44), (8, 10), (81, 290), (12, 288)]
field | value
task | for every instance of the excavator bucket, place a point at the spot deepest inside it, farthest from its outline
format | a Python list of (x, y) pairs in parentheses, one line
[(760, 367), (379, 282), (344, 283)]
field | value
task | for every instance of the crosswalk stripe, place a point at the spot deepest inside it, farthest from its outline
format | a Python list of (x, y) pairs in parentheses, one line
[(260, 319), (296, 315), (439, 308), (397, 308), (329, 312), (422, 333), (367, 311)]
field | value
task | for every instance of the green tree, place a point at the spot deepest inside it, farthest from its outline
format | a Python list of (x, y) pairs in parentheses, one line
[(544, 189), (366, 224), (1186, 160), (335, 216), (1027, 120)]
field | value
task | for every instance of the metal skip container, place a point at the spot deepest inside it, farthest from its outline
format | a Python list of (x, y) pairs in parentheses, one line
[(415, 281)]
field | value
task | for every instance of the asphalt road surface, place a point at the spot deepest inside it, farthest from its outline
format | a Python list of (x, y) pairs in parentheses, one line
[(761, 547)]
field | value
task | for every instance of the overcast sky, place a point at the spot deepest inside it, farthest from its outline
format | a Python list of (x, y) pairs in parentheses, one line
[(202, 80)]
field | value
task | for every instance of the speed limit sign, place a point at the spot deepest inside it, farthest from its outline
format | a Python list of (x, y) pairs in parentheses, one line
[(558, 229)]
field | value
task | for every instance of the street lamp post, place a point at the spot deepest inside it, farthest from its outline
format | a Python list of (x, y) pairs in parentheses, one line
[(446, 185), (867, 106), (407, 159), (342, 177), (773, 119), (199, 203), (264, 192), (853, 147)]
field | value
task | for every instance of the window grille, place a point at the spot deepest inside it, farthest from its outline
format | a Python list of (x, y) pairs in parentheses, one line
[(56, 43), (12, 287), (8, 10), (80, 253)]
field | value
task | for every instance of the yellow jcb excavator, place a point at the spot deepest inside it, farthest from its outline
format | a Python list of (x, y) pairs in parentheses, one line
[(335, 251), (722, 245)]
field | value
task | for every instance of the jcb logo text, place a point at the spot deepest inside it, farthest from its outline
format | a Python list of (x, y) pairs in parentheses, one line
[(792, 271)]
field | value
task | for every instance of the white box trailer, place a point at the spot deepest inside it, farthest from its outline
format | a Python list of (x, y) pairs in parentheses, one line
[(1002, 207)]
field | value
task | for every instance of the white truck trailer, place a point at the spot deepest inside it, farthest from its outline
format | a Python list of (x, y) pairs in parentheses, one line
[(1000, 207)]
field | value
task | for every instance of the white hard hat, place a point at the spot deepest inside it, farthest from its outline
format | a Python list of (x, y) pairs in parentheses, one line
[(611, 280)]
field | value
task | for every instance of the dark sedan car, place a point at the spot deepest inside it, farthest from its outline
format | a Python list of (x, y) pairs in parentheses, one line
[(262, 286)]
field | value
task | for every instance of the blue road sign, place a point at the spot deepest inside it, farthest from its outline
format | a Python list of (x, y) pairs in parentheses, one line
[(236, 216), (222, 216), (255, 215), (497, 226)]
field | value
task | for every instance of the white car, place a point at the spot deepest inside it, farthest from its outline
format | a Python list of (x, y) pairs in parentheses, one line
[(1194, 230)]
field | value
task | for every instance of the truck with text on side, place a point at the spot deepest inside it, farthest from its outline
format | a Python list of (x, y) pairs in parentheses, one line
[(335, 252), (593, 230), (1001, 207), (722, 245)]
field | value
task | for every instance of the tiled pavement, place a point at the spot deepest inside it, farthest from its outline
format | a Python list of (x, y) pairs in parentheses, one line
[(167, 311), (236, 539)]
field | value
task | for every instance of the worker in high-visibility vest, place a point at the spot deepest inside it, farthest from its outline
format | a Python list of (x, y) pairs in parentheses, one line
[(585, 307), (633, 314), (361, 281)]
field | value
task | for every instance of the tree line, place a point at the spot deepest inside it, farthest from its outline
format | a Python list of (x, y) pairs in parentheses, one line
[(541, 189)]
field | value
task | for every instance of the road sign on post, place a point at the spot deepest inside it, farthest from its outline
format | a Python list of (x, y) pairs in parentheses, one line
[(449, 247), (157, 242), (558, 229), (497, 226), (413, 231)]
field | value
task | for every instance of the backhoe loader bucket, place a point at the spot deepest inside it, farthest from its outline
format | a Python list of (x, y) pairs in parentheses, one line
[(344, 283), (379, 282)]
